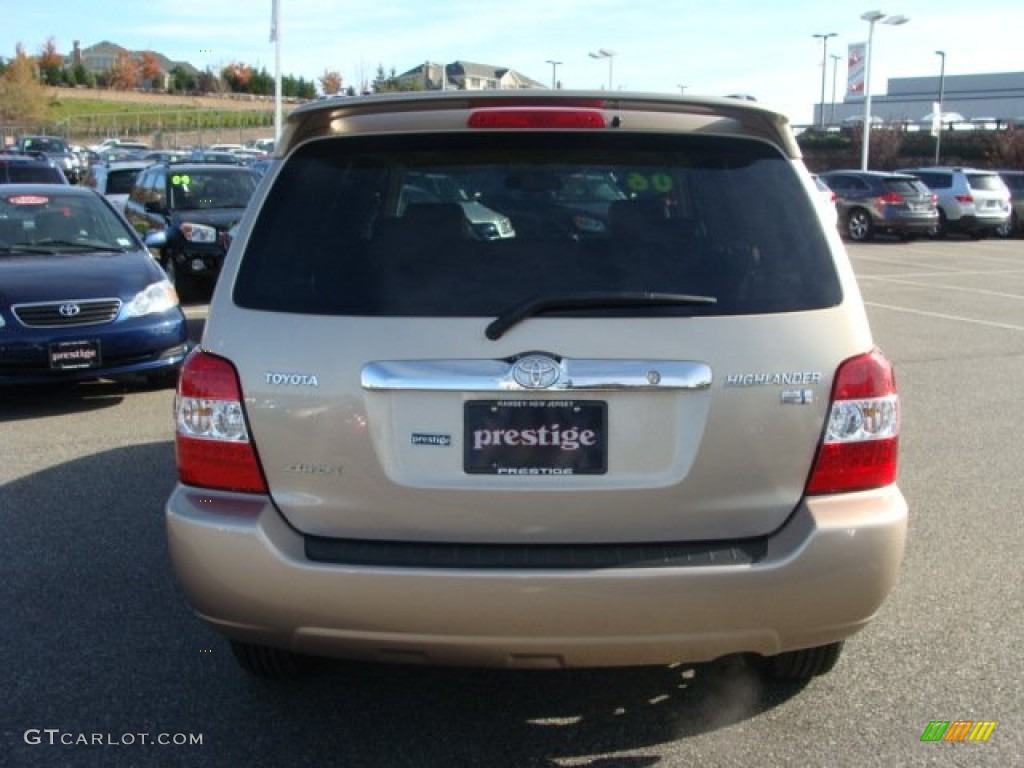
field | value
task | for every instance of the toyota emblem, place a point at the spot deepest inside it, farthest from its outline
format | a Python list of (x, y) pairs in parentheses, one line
[(69, 310), (536, 372)]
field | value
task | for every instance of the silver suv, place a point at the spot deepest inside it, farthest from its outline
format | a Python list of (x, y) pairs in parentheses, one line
[(971, 202), (664, 435)]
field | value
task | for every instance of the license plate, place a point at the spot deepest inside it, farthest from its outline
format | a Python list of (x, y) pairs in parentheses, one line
[(72, 355), (536, 437)]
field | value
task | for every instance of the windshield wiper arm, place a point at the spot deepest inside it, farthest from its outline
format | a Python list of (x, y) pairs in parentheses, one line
[(46, 246), (539, 304)]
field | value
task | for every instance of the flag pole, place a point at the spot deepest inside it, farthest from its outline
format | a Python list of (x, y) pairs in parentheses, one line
[(275, 37)]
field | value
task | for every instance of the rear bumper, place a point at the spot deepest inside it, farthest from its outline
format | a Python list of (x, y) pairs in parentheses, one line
[(823, 577)]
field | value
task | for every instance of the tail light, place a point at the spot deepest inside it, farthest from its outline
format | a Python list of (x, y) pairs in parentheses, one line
[(965, 199), (860, 447), (211, 436), (891, 198)]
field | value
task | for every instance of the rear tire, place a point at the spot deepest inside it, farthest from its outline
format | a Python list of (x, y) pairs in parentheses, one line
[(858, 226), (267, 662), (942, 230), (802, 665)]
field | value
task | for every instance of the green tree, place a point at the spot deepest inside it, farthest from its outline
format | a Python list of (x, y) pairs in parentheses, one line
[(181, 80)]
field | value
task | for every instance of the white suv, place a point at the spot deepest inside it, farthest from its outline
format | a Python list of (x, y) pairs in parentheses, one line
[(971, 201), (642, 426)]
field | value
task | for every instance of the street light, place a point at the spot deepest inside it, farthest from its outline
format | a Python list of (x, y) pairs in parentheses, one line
[(554, 70), (682, 89), (871, 17), (942, 85), (824, 65), (604, 53), (832, 112)]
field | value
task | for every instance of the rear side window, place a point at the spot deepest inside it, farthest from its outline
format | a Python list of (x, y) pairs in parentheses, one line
[(935, 180), (473, 224)]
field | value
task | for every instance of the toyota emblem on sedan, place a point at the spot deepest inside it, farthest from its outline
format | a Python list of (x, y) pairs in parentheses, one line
[(69, 310), (536, 372)]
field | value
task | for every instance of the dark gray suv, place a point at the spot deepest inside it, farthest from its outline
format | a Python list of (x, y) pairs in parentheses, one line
[(874, 202)]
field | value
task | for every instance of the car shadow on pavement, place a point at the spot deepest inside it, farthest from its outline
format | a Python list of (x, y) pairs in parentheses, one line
[(97, 638), (31, 401)]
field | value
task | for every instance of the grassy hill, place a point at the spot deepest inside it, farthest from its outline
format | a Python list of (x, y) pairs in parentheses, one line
[(84, 114)]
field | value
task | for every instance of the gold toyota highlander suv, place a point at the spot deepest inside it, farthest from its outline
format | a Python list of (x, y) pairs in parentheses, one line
[(638, 428)]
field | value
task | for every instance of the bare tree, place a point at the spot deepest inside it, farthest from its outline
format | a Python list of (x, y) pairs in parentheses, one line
[(330, 82)]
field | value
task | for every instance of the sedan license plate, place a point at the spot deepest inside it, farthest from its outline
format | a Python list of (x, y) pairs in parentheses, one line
[(72, 355), (536, 437)]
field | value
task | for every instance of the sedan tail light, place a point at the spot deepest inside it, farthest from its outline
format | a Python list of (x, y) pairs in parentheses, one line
[(859, 449), (211, 436)]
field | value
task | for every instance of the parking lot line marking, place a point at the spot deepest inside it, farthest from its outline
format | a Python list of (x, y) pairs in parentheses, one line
[(940, 287), (941, 316)]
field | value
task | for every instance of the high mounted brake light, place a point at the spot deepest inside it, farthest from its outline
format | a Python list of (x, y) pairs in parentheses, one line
[(860, 447), (211, 437), (536, 117)]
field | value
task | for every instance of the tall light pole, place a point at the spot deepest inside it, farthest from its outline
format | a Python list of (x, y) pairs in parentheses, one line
[(682, 89), (824, 65), (554, 71), (871, 17), (942, 85), (604, 53), (832, 113)]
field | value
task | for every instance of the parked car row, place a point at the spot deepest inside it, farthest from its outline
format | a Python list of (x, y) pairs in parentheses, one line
[(935, 202)]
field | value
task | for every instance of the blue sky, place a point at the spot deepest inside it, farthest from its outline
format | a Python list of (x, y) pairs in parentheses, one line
[(708, 47)]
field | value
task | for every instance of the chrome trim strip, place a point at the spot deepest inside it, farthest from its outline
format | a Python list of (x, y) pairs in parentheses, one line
[(496, 376)]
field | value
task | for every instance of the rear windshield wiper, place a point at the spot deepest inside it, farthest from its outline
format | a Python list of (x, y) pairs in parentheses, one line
[(540, 304)]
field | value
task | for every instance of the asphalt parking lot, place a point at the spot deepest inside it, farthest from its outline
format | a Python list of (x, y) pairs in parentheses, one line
[(104, 661)]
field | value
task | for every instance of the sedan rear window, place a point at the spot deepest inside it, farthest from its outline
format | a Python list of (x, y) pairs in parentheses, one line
[(472, 224)]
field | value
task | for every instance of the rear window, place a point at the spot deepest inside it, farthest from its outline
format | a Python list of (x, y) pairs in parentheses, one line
[(989, 182), (906, 187), (470, 225), (28, 173), (120, 182)]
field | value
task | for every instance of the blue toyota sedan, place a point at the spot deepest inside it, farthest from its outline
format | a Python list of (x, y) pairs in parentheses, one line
[(80, 296)]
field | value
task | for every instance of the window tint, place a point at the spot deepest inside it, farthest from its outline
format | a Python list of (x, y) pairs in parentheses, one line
[(120, 182), (18, 173), (905, 187), (935, 180), (473, 224), (989, 182)]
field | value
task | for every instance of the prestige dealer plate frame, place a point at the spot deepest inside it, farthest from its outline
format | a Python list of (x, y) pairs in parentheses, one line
[(75, 355), (535, 437)]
